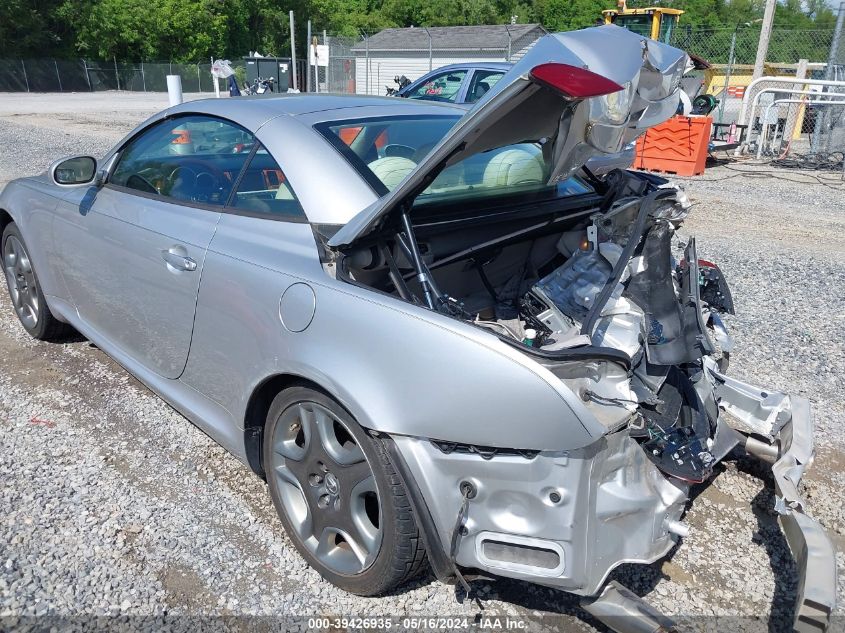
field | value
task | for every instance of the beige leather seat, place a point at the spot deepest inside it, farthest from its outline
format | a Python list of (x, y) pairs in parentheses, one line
[(284, 192), (513, 167), (391, 169)]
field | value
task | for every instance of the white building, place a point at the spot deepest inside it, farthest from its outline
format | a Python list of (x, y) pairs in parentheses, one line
[(415, 51)]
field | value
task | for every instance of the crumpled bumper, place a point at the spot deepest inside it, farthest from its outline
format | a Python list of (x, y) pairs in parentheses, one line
[(787, 425), (566, 520), (813, 552)]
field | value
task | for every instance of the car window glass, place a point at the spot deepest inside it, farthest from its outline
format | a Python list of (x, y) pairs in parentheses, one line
[(191, 159), (385, 150), (442, 87), (264, 189), (520, 168), (639, 24), (482, 81)]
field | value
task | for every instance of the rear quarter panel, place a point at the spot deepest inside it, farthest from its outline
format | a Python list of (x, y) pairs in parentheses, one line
[(396, 367)]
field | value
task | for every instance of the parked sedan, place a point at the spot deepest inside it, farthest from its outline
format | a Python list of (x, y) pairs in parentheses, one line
[(439, 339), (457, 83)]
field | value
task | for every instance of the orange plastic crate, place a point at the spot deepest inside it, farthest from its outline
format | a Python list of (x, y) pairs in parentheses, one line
[(677, 146)]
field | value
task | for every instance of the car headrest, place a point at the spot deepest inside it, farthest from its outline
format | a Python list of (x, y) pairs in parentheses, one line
[(481, 89), (513, 166), (391, 170)]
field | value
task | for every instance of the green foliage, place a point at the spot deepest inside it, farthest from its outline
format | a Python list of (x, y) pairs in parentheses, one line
[(194, 30), (559, 15), (33, 28)]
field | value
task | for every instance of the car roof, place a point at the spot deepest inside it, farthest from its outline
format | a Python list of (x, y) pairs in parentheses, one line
[(253, 112), (463, 65)]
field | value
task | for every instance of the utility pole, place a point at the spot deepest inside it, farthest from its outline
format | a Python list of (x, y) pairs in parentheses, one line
[(823, 118), (328, 65), (316, 75), (308, 53), (293, 53), (430, 50), (833, 57), (765, 34)]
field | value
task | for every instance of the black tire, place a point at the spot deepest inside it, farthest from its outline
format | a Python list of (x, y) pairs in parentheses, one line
[(46, 327), (401, 555)]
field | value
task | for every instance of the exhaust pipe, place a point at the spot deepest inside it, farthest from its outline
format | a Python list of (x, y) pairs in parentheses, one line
[(625, 612), (766, 452)]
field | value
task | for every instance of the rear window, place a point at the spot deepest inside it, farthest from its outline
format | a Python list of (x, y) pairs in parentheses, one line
[(385, 150)]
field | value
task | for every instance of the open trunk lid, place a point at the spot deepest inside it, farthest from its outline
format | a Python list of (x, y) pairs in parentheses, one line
[(578, 94)]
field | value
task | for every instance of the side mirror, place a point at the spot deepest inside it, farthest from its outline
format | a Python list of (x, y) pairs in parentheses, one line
[(79, 170)]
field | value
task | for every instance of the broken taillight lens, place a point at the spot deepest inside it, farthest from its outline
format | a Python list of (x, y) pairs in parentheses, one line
[(573, 82)]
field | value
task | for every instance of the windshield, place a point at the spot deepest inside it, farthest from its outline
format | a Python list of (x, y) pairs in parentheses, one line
[(639, 24), (385, 150)]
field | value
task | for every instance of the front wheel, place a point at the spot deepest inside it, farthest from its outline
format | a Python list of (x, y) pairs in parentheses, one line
[(338, 496), (25, 291)]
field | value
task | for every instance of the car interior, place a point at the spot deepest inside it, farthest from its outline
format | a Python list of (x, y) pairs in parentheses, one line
[(202, 164), (389, 150)]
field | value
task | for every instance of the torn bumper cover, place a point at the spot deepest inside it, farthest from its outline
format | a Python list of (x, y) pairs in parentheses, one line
[(788, 425), (608, 503)]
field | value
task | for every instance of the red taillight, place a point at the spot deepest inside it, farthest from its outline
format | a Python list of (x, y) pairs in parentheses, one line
[(574, 82)]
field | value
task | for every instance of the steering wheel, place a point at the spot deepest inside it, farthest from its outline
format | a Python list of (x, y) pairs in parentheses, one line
[(137, 181), (198, 171)]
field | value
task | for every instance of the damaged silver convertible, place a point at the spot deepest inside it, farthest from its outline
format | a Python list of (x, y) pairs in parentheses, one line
[(439, 336)]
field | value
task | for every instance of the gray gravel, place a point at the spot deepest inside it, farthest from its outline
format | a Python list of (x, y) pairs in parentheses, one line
[(114, 504)]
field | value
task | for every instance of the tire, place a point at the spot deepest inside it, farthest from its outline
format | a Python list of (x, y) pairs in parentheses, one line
[(332, 483), (25, 290)]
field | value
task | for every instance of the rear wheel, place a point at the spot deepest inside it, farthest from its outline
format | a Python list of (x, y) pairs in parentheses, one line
[(25, 291), (338, 496)]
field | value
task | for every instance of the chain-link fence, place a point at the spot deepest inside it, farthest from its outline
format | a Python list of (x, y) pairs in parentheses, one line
[(339, 73), (370, 63), (785, 45), (56, 75), (829, 121), (731, 54)]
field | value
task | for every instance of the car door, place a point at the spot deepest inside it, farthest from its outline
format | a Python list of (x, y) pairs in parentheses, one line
[(480, 83), (134, 251), (444, 86)]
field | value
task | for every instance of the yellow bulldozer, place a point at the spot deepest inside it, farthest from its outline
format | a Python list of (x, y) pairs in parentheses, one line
[(656, 23)]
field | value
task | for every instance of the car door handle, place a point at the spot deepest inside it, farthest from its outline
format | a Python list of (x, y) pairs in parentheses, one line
[(179, 262)]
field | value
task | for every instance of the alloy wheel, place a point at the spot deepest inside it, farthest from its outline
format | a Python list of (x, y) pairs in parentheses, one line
[(23, 287), (327, 488)]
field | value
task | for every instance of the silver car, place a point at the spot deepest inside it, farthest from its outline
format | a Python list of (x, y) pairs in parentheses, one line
[(439, 339)]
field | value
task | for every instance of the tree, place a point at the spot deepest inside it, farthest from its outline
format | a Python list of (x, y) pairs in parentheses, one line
[(193, 30), (566, 15), (32, 28)]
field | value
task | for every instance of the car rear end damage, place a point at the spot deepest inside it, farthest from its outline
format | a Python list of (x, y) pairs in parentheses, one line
[(779, 428), (567, 519), (604, 300)]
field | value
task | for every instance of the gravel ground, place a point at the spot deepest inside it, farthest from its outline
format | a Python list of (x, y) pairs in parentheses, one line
[(114, 504)]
